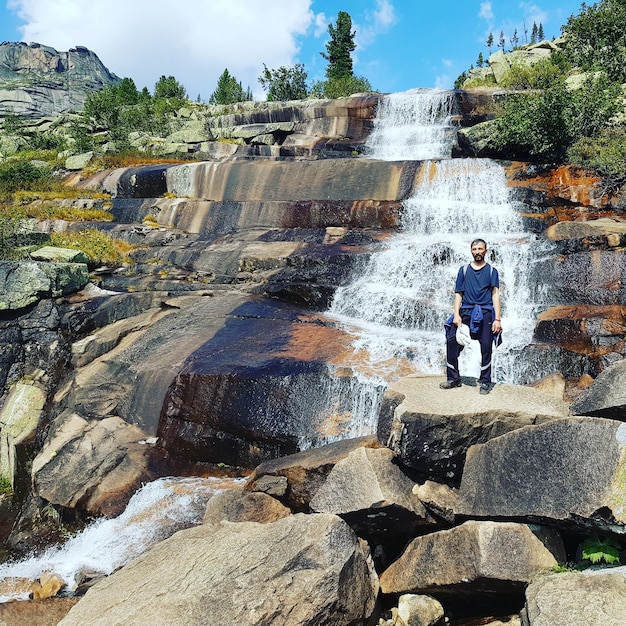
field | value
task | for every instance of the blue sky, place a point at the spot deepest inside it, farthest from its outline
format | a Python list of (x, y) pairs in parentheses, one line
[(401, 44)]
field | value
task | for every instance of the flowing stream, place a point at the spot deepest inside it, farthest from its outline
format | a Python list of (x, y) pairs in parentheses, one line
[(154, 513)]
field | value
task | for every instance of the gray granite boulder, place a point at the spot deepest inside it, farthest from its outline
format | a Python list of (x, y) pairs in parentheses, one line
[(296, 478), (568, 472), (24, 283), (93, 465), (59, 255), (236, 505), (474, 557), (595, 597), (304, 569), (370, 491)]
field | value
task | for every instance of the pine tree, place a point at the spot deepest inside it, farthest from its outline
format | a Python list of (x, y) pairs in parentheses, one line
[(229, 90), (490, 42), (534, 32), (540, 34), (480, 61), (502, 43), (340, 47), (514, 39)]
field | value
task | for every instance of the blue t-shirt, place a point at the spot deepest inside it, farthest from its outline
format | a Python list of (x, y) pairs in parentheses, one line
[(476, 285)]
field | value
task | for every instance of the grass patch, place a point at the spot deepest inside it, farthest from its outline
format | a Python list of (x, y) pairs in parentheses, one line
[(129, 158), (99, 246)]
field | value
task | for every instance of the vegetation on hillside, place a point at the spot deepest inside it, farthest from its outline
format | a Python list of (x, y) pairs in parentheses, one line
[(553, 120)]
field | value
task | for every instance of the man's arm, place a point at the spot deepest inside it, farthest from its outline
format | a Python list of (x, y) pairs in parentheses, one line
[(496, 326), (458, 298)]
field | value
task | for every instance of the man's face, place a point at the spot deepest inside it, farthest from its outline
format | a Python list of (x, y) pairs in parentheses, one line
[(478, 252)]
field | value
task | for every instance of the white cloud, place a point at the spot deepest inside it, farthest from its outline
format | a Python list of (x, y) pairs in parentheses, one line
[(193, 40), (378, 21), (486, 12), (443, 81), (321, 25)]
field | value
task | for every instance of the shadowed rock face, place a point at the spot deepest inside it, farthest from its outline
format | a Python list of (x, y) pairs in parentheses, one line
[(252, 391)]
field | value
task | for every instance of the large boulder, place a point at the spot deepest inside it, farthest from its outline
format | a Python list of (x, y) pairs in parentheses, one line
[(606, 397), (430, 429), (370, 491), (94, 465), (568, 472), (27, 282), (474, 557), (595, 597), (19, 417), (304, 569), (236, 505), (296, 478)]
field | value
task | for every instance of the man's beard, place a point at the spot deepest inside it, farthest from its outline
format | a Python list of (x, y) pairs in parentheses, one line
[(478, 257)]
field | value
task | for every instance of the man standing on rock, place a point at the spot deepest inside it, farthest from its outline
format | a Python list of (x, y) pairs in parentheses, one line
[(477, 306)]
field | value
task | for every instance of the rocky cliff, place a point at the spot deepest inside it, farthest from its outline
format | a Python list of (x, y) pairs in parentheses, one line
[(37, 81)]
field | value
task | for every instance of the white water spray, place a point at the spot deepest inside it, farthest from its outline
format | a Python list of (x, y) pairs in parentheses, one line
[(154, 513), (399, 302)]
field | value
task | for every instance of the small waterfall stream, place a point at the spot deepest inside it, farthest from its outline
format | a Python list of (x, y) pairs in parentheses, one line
[(154, 513), (398, 302)]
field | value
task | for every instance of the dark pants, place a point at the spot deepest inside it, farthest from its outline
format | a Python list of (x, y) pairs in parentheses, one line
[(485, 338)]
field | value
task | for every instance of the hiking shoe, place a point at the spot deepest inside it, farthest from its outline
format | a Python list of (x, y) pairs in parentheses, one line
[(450, 384), (484, 389)]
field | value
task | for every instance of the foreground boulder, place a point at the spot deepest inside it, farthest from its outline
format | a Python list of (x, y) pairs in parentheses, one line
[(577, 599), (430, 429), (296, 478), (304, 569), (568, 471), (370, 491), (474, 557)]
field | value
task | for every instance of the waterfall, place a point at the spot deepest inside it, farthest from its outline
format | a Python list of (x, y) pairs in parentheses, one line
[(154, 513), (398, 302)]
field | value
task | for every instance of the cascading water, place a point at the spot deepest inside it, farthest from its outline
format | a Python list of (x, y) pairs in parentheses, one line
[(398, 303), (154, 513)]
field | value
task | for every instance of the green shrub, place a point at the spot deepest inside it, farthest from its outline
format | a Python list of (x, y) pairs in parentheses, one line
[(597, 550), (535, 126), (596, 38), (604, 155), (19, 174), (540, 75), (340, 87)]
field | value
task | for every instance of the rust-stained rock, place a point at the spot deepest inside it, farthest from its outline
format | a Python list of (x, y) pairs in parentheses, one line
[(589, 329)]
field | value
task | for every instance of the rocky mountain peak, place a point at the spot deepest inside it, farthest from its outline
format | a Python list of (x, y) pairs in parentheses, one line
[(38, 81)]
